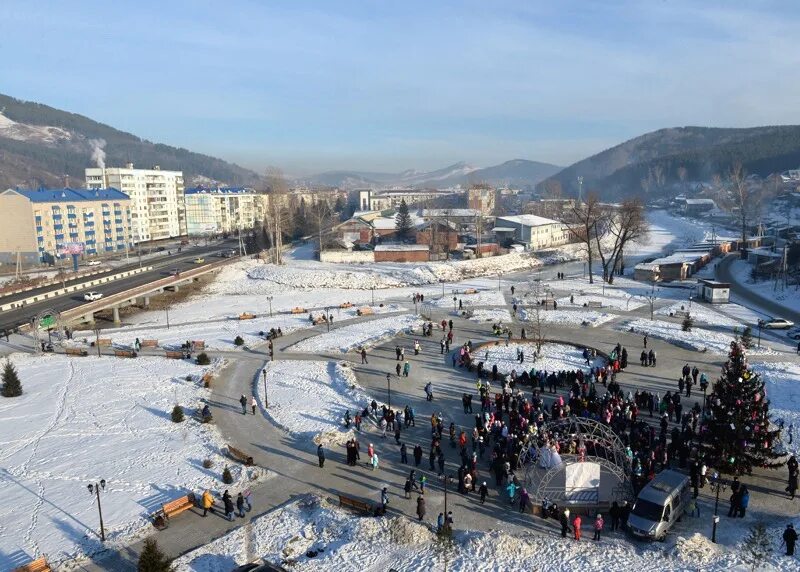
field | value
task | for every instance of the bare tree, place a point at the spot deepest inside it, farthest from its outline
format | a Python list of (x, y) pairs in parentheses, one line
[(278, 211), (322, 214), (582, 219), (619, 226), (742, 197), (537, 324), (682, 174)]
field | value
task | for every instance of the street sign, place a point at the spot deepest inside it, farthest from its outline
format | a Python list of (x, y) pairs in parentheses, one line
[(47, 321)]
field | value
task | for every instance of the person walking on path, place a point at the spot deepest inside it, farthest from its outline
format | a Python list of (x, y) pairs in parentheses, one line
[(253, 403), (576, 526), (207, 502), (364, 356), (403, 454), (614, 512), (398, 369), (793, 473), (441, 346), (240, 505), (374, 461), (789, 539), (243, 401), (384, 499), (407, 488), (523, 500), (564, 520), (645, 341), (417, 455), (321, 455), (406, 368), (420, 508), (598, 526), (483, 491), (228, 502)]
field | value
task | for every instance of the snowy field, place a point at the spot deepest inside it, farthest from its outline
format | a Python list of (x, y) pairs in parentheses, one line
[(616, 302), (783, 391), (699, 339), (80, 420), (494, 315), (491, 297), (343, 542), (700, 314), (554, 357), (364, 334), (575, 317), (308, 399)]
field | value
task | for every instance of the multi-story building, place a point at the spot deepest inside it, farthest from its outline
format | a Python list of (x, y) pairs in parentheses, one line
[(372, 200), (534, 231), (481, 198), (223, 209), (39, 225), (157, 207)]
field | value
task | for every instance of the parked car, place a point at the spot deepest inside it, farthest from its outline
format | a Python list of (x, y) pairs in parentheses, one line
[(94, 263), (778, 324), (794, 333), (92, 296), (199, 260), (659, 505)]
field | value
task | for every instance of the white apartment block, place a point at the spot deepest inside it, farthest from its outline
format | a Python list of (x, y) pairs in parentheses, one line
[(223, 209), (157, 206)]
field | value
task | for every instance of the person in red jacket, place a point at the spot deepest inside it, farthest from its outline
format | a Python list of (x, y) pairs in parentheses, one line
[(598, 526), (576, 526)]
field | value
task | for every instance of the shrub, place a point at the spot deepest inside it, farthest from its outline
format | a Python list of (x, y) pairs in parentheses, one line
[(12, 387), (747, 337), (238, 340), (208, 463), (189, 378), (203, 359), (227, 477), (687, 323), (152, 559), (177, 414)]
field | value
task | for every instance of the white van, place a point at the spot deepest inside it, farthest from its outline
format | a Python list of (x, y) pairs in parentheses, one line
[(660, 504)]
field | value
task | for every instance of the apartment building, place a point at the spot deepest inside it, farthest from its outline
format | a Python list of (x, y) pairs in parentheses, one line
[(534, 231), (223, 209), (372, 200), (157, 205), (39, 225)]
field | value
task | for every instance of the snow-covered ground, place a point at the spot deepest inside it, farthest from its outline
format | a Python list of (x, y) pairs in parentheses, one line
[(553, 357), (576, 317), (700, 339), (789, 297), (700, 314), (342, 542), (492, 297), (616, 302), (668, 231), (354, 336), (498, 315), (80, 420), (783, 391), (308, 399)]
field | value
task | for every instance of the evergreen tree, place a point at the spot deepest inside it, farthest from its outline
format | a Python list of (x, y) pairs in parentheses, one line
[(687, 323), (403, 223), (227, 477), (152, 559), (757, 546), (203, 359), (177, 414), (238, 341), (738, 433), (747, 337), (12, 387)]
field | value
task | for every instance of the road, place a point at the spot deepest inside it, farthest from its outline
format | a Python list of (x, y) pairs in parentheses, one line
[(161, 267)]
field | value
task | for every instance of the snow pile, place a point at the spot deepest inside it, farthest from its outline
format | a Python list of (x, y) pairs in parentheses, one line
[(364, 334), (783, 391), (494, 315), (314, 535), (700, 314), (574, 317), (616, 302), (553, 357), (491, 297), (80, 420), (699, 339), (309, 399)]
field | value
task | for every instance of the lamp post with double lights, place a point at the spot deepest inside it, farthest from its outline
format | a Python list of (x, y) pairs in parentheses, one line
[(717, 486), (94, 489), (389, 389), (266, 399), (269, 298)]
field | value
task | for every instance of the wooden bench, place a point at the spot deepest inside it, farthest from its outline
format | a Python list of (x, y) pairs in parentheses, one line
[(471, 291), (38, 565), (125, 353), (174, 355), (76, 352), (149, 343), (246, 316), (344, 305), (320, 320), (365, 311), (355, 504), (104, 342), (594, 304), (298, 310), (198, 345), (239, 455), (680, 313), (173, 508)]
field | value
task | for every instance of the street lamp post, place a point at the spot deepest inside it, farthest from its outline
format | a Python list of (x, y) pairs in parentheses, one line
[(704, 387), (266, 399), (498, 281), (760, 325), (446, 523), (270, 305), (167, 310), (94, 489), (716, 486), (373, 295), (389, 389), (97, 339), (455, 300), (328, 317)]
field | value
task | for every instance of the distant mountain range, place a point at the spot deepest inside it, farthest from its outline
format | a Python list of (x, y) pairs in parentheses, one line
[(40, 145), (650, 163), (516, 173)]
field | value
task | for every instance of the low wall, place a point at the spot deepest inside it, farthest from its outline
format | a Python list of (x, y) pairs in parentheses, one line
[(347, 256)]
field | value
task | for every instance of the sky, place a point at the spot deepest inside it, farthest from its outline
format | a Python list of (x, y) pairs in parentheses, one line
[(387, 86)]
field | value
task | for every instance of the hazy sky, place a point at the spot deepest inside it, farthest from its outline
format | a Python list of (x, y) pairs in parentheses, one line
[(379, 85)]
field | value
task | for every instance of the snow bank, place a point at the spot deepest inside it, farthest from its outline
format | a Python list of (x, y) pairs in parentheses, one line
[(783, 391), (700, 314), (313, 535), (366, 334), (554, 357), (490, 315), (309, 399), (575, 317), (699, 339), (85, 419)]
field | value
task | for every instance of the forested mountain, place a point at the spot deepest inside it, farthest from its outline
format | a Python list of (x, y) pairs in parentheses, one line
[(650, 163), (39, 145)]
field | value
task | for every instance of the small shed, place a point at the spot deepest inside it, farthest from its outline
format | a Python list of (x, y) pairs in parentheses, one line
[(714, 292)]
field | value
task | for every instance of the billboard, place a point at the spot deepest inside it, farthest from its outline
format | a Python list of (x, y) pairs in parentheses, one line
[(582, 483), (71, 248)]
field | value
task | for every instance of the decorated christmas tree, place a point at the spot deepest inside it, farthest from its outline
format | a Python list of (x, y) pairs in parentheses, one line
[(737, 435)]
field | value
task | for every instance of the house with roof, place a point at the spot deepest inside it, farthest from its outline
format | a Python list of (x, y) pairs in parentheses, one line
[(534, 231)]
